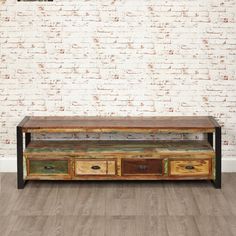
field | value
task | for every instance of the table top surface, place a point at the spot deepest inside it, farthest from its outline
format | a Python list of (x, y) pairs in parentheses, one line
[(116, 123)]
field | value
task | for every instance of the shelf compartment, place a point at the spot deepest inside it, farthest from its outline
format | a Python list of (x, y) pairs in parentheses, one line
[(106, 147)]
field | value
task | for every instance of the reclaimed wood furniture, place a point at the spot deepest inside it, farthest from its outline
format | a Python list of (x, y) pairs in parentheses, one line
[(123, 159)]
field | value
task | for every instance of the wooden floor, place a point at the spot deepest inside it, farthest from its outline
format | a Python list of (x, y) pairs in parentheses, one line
[(117, 208)]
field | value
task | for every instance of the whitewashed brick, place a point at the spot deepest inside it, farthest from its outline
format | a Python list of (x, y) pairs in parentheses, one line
[(94, 57)]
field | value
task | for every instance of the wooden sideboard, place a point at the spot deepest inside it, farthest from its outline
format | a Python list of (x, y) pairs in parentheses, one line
[(119, 159)]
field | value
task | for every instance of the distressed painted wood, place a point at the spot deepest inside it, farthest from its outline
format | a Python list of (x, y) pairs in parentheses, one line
[(123, 124), (120, 160), (97, 148), (48, 167), (85, 154), (190, 167), (95, 167), (142, 166), (119, 130), (139, 177), (111, 175), (111, 167)]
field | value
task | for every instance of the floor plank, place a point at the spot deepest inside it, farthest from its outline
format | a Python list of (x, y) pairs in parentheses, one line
[(48, 208)]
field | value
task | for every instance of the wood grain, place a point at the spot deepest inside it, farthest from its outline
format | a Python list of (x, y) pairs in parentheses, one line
[(127, 208), (190, 167), (95, 167), (142, 167), (127, 156), (96, 149), (108, 124), (48, 168)]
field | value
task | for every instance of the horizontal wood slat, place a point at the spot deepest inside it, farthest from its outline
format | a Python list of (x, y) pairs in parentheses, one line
[(96, 149), (124, 124)]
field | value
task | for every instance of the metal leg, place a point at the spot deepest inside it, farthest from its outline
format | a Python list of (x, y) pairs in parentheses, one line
[(27, 139), (210, 138), (217, 181), (19, 137)]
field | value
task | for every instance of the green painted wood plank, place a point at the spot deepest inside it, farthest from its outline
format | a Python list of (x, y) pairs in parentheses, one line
[(71, 147), (48, 167)]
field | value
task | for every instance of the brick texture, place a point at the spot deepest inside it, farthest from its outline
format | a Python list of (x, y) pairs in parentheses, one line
[(117, 57)]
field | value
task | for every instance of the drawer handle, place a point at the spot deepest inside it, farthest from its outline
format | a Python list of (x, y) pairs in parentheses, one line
[(189, 167), (142, 167), (95, 167), (49, 167)]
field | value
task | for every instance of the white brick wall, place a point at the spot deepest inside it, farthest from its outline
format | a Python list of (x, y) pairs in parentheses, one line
[(124, 57)]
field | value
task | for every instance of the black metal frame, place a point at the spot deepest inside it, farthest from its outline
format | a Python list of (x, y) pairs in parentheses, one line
[(217, 181), (20, 179), (20, 147), (210, 138)]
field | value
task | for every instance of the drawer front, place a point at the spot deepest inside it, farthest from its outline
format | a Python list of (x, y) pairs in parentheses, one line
[(190, 167), (48, 167), (141, 167), (95, 167)]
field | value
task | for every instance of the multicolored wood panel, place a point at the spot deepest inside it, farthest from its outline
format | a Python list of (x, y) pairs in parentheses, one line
[(117, 147), (110, 160)]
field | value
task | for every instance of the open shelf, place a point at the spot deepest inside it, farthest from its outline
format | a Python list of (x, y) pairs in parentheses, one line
[(115, 147)]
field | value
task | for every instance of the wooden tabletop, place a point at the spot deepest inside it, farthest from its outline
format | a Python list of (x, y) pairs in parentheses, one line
[(78, 123)]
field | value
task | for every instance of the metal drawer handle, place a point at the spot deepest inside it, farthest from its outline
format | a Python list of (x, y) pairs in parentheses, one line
[(142, 167), (189, 167), (49, 167), (95, 167)]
